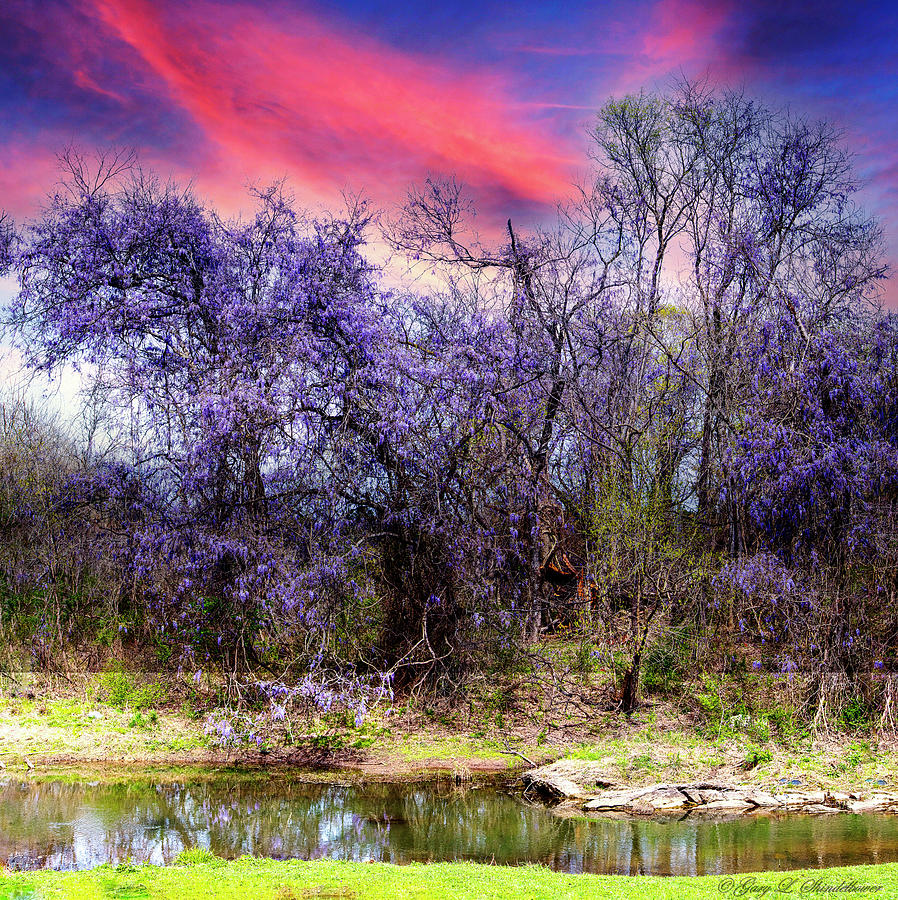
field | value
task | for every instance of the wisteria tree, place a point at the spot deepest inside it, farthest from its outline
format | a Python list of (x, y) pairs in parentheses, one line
[(673, 407), (738, 213), (235, 355)]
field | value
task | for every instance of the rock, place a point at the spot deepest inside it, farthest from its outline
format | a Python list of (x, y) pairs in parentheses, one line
[(601, 803), (760, 798), (800, 799), (565, 780), (617, 799), (865, 806), (641, 808), (711, 786), (876, 803), (666, 797), (699, 797), (735, 804), (553, 787), (574, 783)]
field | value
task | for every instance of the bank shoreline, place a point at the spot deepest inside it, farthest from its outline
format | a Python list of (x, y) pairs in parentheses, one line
[(568, 787)]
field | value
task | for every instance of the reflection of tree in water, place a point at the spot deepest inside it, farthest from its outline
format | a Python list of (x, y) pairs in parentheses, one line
[(78, 825), (20, 847)]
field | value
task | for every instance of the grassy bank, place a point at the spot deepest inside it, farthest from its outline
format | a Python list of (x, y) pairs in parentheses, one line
[(749, 737), (258, 879), (47, 734)]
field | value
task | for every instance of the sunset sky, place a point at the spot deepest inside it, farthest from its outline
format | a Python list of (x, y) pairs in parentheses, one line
[(373, 95)]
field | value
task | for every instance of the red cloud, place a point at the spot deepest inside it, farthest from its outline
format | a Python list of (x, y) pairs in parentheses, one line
[(297, 96)]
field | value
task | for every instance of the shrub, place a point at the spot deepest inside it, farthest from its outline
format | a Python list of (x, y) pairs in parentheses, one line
[(663, 667), (120, 689), (197, 856), (856, 714), (754, 757)]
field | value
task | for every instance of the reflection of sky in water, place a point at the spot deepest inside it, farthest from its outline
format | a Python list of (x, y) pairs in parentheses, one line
[(76, 826)]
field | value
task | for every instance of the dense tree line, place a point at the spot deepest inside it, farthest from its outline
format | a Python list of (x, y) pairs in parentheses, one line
[(677, 407)]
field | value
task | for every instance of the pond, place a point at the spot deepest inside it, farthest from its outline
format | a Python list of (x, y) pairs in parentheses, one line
[(61, 825)]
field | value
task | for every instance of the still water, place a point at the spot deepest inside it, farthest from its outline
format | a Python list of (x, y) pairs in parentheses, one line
[(60, 825)]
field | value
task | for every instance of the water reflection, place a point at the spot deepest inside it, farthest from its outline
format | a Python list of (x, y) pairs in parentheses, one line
[(75, 826)]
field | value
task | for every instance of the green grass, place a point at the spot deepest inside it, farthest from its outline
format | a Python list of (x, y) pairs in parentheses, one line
[(90, 729), (450, 747), (121, 689), (647, 752), (257, 879)]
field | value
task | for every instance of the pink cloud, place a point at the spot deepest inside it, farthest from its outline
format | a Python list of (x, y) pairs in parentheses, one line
[(296, 96), (83, 79), (28, 172), (683, 30), (678, 36)]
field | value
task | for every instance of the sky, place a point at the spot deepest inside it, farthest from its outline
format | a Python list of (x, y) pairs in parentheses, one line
[(372, 96)]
